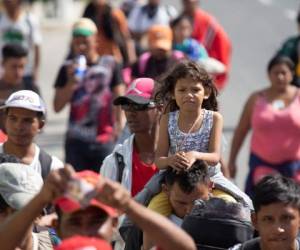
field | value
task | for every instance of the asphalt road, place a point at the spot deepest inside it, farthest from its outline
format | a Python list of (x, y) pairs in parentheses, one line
[(256, 28)]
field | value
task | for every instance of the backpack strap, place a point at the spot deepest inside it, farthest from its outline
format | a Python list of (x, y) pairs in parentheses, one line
[(120, 166), (45, 161), (143, 62)]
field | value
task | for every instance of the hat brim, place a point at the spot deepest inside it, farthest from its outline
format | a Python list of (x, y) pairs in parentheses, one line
[(121, 100), (82, 32), (17, 105), (161, 44), (70, 206), (18, 200)]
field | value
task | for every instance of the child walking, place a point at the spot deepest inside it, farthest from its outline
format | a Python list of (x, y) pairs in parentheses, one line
[(191, 128)]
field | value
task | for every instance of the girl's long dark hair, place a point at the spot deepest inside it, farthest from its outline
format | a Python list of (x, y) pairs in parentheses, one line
[(106, 20), (185, 69)]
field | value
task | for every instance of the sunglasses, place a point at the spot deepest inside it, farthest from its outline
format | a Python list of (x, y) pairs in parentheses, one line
[(137, 107)]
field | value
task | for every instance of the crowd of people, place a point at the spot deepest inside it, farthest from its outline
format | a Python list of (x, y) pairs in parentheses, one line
[(143, 165)]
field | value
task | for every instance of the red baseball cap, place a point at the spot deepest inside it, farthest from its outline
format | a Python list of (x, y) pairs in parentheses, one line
[(83, 243), (140, 91), (69, 205)]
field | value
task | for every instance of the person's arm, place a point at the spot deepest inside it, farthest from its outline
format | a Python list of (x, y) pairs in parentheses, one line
[(36, 39), (240, 133), (160, 230), (212, 157), (130, 47), (13, 230), (118, 88), (37, 56), (161, 155), (133, 23), (224, 168), (65, 86), (162, 160)]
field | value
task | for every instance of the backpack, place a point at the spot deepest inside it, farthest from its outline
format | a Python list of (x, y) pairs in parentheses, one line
[(144, 58), (225, 224), (219, 233), (142, 64), (45, 160)]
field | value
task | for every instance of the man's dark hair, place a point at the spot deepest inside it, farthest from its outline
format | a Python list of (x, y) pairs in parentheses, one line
[(276, 189), (188, 180), (14, 51), (298, 18), (279, 59), (39, 115), (178, 19)]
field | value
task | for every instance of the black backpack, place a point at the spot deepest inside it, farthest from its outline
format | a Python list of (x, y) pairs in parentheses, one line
[(217, 233), (216, 224)]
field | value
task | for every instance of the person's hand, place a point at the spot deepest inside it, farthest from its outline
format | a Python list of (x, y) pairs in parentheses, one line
[(178, 161), (56, 184), (191, 157), (46, 220), (72, 80), (113, 194), (232, 169)]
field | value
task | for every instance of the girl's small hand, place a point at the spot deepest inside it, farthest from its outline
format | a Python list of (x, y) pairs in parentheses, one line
[(191, 157), (178, 161)]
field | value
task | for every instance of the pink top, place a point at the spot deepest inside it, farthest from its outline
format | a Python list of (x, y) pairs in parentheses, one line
[(276, 132)]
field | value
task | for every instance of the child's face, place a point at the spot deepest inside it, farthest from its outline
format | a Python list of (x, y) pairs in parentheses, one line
[(278, 226), (189, 94), (182, 30)]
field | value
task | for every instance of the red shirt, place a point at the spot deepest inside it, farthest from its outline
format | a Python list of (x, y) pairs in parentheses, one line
[(141, 173), (211, 34), (3, 136)]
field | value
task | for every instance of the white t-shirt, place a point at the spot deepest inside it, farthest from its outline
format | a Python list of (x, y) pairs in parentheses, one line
[(36, 165), (139, 21), (24, 31)]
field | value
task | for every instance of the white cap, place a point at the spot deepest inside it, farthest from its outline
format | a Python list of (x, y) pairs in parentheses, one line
[(19, 183), (25, 99)]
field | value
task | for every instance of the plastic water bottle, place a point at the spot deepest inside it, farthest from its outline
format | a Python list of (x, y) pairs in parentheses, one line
[(80, 70)]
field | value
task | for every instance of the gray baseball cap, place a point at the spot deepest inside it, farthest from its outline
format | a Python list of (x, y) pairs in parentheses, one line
[(19, 183)]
